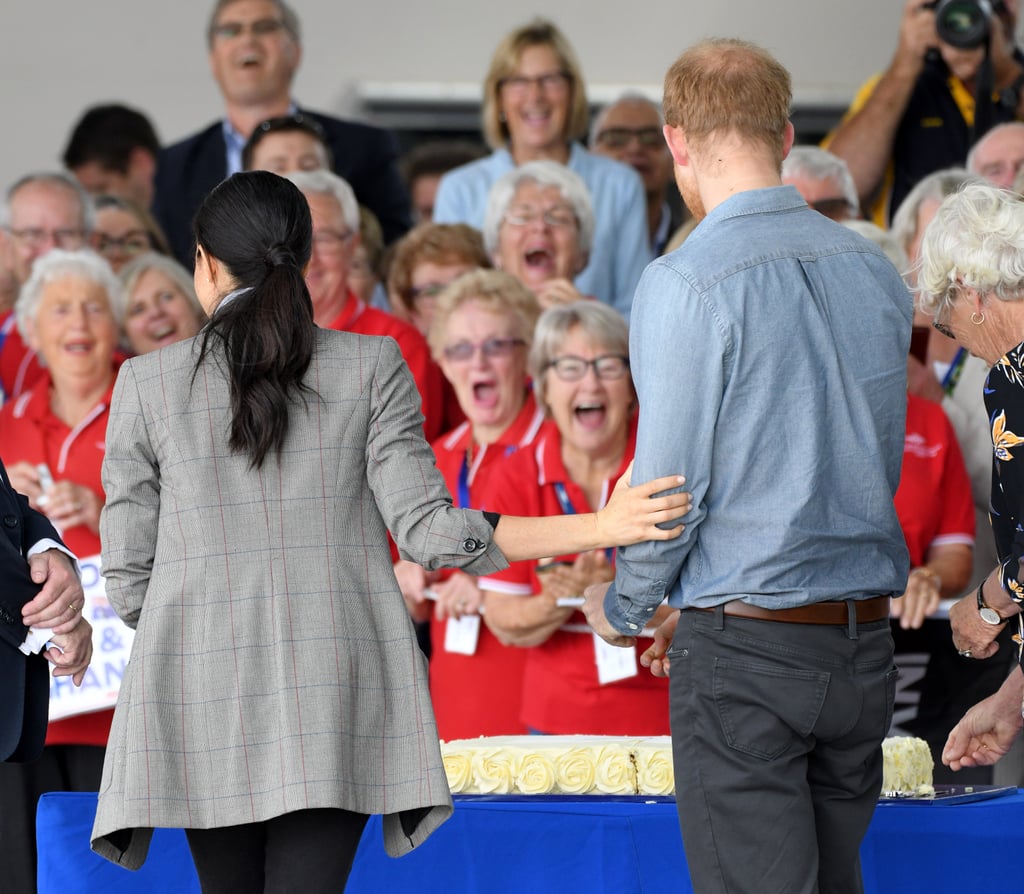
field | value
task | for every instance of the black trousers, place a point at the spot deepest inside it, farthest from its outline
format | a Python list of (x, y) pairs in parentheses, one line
[(308, 851), (776, 731), (60, 768)]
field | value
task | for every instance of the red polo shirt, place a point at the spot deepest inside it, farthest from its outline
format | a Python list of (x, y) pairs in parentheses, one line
[(479, 694), (19, 364), (561, 693), (30, 432), (933, 501), (356, 317)]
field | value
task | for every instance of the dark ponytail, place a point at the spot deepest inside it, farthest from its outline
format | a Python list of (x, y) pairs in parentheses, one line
[(257, 225)]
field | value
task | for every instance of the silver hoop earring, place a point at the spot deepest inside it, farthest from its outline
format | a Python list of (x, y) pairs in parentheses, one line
[(976, 321)]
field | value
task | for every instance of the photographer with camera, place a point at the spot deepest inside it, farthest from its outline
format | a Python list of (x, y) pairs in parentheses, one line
[(922, 114)]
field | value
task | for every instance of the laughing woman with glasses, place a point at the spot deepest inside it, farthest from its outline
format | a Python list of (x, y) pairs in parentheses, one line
[(535, 108), (540, 227), (483, 326), (573, 683)]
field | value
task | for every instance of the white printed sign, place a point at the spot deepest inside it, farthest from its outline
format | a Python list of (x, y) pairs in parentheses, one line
[(111, 648)]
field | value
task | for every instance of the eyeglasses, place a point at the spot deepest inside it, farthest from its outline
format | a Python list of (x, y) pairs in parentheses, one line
[(937, 323), (572, 369), (330, 241), (259, 28), (427, 292), (464, 351), (131, 243), (620, 137), (35, 239), (548, 83), (556, 216), (837, 209)]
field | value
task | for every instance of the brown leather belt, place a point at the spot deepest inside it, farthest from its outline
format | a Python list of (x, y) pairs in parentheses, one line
[(867, 610)]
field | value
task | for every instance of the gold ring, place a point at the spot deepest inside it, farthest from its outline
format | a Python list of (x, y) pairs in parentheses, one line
[(73, 607)]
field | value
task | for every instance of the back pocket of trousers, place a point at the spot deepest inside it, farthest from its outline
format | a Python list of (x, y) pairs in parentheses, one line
[(763, 707)]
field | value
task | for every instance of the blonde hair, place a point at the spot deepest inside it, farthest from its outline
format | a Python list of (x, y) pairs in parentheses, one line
[(496, 292), (724, 85), (539, 33)]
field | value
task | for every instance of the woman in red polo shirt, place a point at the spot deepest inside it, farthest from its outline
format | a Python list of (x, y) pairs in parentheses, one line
[(480, 335), (573, 682), (52, 437)]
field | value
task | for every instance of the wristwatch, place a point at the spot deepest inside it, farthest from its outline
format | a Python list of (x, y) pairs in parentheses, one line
[(988, 614)]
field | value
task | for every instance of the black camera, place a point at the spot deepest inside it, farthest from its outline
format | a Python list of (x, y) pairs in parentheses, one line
[(964, 24)]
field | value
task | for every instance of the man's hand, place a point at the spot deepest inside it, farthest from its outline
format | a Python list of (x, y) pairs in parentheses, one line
[(593, 608), (58, 605), (917, 37), (75, 652), (655, 656)]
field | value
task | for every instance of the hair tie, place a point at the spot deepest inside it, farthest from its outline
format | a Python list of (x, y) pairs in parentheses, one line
[(279, 255)]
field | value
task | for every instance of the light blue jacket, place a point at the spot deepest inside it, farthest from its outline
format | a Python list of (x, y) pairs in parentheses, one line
[(621, 247), (769, 355)]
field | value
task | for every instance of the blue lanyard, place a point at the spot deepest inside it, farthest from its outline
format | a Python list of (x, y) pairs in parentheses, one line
[(464, 482), (953, 373)]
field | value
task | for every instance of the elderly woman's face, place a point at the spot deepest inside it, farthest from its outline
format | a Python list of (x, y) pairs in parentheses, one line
[(534, 100), (74, 330), (159, 313), (490, 383), (539, 238), (592, 412)]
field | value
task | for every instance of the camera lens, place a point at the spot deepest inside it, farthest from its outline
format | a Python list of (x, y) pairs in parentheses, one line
[(963, 23)]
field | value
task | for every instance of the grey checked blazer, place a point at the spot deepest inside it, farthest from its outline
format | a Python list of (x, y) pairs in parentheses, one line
[(274, 667)]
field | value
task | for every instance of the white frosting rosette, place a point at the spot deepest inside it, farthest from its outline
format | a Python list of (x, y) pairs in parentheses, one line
[(654, 775), (494, 771), (575, 771), (536, 773), (614, 770), (458, 766)]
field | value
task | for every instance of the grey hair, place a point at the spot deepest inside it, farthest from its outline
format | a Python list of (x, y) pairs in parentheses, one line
[(288, 18), (999, 128), (604, 325), (974, 242), (151, 260), (937, 186), (884, 240), (52, 178), (817, 163), (327, 183), (543, 173), (56, 264), (630, 96)]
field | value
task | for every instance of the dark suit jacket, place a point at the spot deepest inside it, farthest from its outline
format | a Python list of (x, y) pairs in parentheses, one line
[(365, 156), (25, 681)]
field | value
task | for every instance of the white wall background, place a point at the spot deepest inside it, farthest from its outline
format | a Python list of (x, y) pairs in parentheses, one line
[(59, 56)]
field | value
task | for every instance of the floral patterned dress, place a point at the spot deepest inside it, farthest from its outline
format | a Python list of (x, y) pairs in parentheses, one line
[(1004, 400)]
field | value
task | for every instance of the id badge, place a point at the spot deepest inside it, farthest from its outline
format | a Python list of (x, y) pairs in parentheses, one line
[(461, 635), (613, 662)]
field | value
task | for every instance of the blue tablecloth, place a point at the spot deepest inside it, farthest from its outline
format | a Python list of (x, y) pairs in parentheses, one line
[(559, 845)]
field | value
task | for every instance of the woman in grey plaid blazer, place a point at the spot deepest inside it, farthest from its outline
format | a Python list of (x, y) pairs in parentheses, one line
[(276, 696)]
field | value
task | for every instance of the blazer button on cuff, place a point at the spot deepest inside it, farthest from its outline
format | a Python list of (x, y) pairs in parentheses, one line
[(10, 521), (472, 545)]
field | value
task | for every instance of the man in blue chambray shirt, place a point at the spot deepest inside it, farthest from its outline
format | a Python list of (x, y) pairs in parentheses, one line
[(769, 356)]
